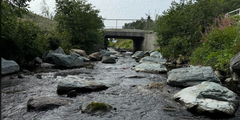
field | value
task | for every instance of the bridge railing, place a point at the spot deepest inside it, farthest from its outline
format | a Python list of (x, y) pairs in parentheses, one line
[(236, 12), (118, 27), (118, 23)]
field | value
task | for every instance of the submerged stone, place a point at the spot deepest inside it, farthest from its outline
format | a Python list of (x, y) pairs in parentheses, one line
[(45, 103), (96, 108)]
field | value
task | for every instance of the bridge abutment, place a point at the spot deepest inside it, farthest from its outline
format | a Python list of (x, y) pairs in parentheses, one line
[(142, 40)]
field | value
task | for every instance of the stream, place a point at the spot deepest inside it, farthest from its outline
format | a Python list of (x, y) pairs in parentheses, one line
[(131, 97)]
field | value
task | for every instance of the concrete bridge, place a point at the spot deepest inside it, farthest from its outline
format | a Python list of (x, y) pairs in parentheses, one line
[(144, 40)]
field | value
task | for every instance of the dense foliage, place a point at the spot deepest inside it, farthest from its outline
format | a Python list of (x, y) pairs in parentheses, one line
[(80, 22), (25, 35), (179, 27), (17, 37), (220, 43)]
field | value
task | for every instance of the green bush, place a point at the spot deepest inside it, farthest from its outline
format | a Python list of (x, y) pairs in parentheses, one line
[(18, 44), (219, 46)]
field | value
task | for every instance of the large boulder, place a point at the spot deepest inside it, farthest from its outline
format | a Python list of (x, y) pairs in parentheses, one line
[(45, 103), (105, 52), (70, 83), (113, 51), (138, 54), (67, 61), (97, 56), (235, 63), (210, 98), (108, 59), (47, 56), (191, 76), (153, 60), (9, 66), (86, 59), (150, 68), (156, 54), (78, 51)]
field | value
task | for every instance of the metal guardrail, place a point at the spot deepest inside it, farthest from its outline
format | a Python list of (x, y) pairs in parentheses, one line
[(237, 11), (117, 21)]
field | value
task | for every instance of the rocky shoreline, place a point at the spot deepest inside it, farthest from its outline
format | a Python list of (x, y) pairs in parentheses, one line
[(203, 91)]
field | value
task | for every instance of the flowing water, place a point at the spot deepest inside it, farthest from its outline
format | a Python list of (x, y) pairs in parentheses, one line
[(130, 96)]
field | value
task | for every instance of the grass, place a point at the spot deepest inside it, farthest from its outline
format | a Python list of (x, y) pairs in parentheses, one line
[(123, 44), (42, 22)]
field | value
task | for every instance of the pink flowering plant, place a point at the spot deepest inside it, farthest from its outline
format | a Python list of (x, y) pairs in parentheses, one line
[(220, 43)]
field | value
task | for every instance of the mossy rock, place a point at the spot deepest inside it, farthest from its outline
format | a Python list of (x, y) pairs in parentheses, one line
[(96, 108)]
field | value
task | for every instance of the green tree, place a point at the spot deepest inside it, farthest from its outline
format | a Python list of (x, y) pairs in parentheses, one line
[(142, 24), (179, 27), (81, 21), (17, 36)]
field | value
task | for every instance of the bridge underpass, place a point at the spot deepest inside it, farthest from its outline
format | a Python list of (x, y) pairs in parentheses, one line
[(143, 40)]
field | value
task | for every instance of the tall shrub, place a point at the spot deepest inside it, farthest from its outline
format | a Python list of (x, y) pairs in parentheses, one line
[(220, 44)]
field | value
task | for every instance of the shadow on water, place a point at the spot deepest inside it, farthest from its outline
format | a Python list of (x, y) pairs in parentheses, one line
[(131, 97)]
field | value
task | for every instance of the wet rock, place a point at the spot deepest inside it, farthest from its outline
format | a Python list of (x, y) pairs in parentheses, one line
[(86, 59), (150, 68), (156, 54), (156, 85), (97, 56), (134, 76), (235, 63), (105, 52), (68, 61), (72, 93), (38, 76), (38, 60), (210, 98), (70, 83), (45, 103), (191, 76), (47, 56), (27, 72), (79, 52), (138, 54), (47, 65), (113, 51), (108, 59), (114, 56), (72, 72), (128, 53), (153, 60), (9, 67), (96, 108), (20, 75)]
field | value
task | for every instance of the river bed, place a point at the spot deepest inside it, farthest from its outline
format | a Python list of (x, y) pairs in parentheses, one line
[(131, 97)]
